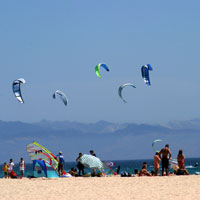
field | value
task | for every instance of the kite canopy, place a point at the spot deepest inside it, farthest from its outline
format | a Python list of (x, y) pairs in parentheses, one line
[(153, 144), (91, 162), (121, 88), (98, 67), (145, 73), (16, 86), (62, 96)]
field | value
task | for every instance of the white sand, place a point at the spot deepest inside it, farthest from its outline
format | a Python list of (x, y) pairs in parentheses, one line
[(106, 188)]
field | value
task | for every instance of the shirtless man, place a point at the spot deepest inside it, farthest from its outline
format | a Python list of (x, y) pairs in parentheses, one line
[(166, 155)]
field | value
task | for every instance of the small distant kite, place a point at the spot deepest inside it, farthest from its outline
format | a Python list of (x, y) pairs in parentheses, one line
[(97, 68), (61, 95), (145, 73), (16, 86), (121, 88), (153, 144)]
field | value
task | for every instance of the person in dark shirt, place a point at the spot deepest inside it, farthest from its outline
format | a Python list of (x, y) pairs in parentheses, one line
[(61, 162), (80, 165)]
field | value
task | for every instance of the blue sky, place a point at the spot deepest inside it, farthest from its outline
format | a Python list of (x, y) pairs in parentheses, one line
[(57, 44)]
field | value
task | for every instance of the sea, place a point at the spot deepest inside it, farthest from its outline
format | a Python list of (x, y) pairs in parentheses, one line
[(125, 166)]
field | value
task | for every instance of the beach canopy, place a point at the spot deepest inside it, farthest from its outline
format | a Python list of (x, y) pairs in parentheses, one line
[(91, 162), (42, 169)]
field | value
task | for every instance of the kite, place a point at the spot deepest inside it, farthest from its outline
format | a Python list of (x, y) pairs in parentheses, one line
[(62, 96), (121, 88), (16, 86), (145, 73), (97, 68)]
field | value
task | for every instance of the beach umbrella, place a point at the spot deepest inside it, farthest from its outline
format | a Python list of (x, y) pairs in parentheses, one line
[(91, 162)]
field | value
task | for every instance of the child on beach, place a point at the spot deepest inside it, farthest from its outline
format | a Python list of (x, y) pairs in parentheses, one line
[(5, 170), (156, 163)]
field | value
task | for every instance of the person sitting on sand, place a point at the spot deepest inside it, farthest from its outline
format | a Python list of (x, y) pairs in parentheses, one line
[(166, 155), (143, 171), (181, 172), (80, 165), (136, 173), (5, 170), (73, 172), (156, 163)]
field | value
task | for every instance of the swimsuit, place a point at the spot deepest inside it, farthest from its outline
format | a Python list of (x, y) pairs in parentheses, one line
[(181, 164), (165, 162)]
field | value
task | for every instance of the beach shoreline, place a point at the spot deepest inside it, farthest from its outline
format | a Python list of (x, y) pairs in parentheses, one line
[(106, 188)]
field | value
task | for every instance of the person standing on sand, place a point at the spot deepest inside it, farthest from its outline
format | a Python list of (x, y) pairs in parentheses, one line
[(181, 159), (166, 155), (92, 153), (61, 162), (80, 165), (156, 163), (22, 166), (93, 170), (5, 170)]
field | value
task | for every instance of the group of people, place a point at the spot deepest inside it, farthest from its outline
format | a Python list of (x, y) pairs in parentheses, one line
[(8, 169), (73, 171), (164, 156)]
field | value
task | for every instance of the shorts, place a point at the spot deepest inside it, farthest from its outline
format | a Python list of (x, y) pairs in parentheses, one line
[(165, 163), (61, 167), (6, 173), (21, 172)]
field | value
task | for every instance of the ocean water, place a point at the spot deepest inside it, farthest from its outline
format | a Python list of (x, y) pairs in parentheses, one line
[(125, 165)]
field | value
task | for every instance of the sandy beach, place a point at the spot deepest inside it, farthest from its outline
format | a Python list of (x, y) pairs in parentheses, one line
[(106, 188)]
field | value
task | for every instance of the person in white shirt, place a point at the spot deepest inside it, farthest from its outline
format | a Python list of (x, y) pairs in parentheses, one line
[(10, 166), (22, 167)]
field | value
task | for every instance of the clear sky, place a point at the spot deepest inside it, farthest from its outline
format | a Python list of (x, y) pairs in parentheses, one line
[(57, 44)]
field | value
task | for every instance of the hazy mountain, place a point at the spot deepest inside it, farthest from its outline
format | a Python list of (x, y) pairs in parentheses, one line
[(109, 140)]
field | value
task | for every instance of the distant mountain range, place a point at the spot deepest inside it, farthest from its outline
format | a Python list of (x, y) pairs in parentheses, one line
[(110, 141)]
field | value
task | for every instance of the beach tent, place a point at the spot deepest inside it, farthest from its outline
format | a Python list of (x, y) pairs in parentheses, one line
[(42, 169)]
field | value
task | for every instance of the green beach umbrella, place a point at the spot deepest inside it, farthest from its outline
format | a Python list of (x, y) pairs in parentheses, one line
[(91, 162)]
